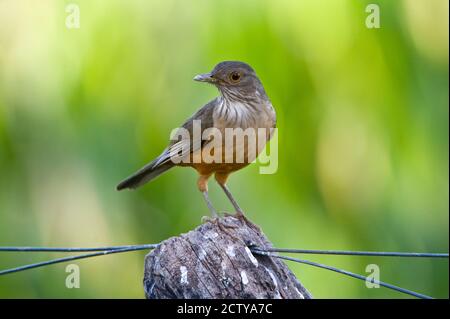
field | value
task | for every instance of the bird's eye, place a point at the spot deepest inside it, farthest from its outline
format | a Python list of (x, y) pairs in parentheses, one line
[(235, 77)]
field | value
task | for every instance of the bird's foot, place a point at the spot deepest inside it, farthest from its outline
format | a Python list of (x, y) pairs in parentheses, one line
[(239, 214), (209, 219), (216, 221)]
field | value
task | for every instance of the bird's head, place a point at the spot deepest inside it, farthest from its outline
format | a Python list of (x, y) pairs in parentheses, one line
[(235, 80)]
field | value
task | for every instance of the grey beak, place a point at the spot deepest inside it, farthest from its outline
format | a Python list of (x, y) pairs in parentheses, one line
[(207, 77)]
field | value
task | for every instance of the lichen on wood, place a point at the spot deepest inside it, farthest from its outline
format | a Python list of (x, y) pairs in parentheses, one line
[(214, 262)]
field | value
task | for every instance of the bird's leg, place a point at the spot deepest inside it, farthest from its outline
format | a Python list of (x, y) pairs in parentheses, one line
[(202, 184), (232, 200), (209, 204), (221, 180)]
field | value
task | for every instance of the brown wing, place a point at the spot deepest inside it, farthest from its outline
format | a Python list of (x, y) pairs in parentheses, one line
[(163, 162), (184, 144)]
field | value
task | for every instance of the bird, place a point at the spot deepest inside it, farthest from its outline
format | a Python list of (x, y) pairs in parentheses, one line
[(242, 104)]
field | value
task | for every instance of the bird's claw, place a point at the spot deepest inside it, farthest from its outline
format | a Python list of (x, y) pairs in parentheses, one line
[(209, 219)]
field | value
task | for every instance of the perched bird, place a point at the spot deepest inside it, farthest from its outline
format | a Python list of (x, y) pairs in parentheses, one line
[(242, 104)]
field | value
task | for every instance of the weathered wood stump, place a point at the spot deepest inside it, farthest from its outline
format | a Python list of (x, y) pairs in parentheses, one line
[(214, 261)]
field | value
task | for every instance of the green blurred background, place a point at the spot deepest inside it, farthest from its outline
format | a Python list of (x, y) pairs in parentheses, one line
[(363, 134)]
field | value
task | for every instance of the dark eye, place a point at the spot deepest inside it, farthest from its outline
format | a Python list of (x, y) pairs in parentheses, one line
[(235, 77)]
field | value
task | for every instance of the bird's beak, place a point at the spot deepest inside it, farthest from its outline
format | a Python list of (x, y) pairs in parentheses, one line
[(207, 77)]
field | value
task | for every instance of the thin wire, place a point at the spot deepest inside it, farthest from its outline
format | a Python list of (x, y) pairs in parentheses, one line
[(70, 249), (345, 272), (101, 251), (70, 258), (282, 250), (354, 253)]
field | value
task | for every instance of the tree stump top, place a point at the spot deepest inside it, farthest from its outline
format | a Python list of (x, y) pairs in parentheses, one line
[(214, 261)]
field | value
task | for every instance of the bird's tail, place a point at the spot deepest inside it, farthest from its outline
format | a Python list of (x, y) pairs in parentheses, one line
[(144, 175)]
